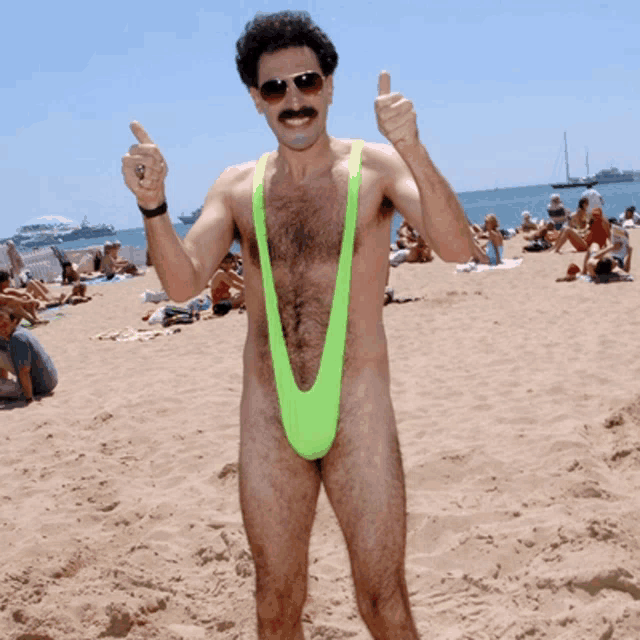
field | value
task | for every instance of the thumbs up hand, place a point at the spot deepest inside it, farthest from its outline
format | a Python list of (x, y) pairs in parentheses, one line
[(396, 116), (144, 169)]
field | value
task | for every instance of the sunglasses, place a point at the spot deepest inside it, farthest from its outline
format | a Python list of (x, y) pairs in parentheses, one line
[(308, 83)]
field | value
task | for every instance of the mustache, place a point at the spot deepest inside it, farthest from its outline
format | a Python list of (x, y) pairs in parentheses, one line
[(304, 112)]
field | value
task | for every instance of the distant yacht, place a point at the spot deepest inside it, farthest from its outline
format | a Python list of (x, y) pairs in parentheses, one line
[(191, 217), (614, 175), (574, 182), (55, 230), (86, 230)]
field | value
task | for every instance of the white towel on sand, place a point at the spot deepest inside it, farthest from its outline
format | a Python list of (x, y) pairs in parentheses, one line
[(468, 267)]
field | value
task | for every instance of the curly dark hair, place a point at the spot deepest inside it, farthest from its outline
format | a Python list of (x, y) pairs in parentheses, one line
[(270, 32)]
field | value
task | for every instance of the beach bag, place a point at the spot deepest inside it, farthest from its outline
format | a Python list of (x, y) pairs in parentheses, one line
[(537, 245)]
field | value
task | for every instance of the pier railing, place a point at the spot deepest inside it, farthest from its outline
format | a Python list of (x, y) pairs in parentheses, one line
[(44, 265)]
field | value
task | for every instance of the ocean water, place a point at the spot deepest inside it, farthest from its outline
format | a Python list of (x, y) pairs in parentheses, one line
[(508, 204)]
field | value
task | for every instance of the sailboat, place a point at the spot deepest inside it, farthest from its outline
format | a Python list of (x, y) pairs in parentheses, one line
[(573, 182)]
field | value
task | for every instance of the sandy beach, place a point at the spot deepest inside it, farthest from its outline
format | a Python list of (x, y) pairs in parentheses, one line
[(517, 401)]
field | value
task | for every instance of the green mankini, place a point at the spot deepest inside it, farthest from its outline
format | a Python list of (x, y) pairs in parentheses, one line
[(310, 418)]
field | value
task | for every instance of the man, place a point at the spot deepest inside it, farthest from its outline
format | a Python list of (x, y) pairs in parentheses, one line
[(224, 280), (595, 200), (23, 355), (293, 262), (630, 217)]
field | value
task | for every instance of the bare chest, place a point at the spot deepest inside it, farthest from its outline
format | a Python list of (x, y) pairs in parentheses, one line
[(305, 227)]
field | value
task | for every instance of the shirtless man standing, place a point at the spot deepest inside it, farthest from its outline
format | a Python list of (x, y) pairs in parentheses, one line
[(287, 64)]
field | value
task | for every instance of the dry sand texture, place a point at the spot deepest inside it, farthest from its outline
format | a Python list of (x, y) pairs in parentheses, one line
[(517, 405)]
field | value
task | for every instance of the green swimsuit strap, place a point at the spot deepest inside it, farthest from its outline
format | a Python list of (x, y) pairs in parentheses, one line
[(310, 418)]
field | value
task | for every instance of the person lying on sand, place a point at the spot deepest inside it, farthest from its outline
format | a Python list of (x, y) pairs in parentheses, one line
[(24, 305), (22, 355), (35, 292), (597, 263)]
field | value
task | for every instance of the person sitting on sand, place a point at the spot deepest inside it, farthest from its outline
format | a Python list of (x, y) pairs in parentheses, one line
[(113, 264), (578, 223), (598, 232), (621, 250), (22, 355), (601, 266), (557, 212), (543, 239), (581, 219), (528, 224), (78, 294), (406, 235), (417, 251), (494, 247), (224, 279), (629, 218)]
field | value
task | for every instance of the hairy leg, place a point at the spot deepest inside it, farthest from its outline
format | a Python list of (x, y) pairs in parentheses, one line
[(278, 495), (364, 481)]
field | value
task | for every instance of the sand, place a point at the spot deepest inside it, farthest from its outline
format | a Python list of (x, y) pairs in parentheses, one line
[(518, 408)]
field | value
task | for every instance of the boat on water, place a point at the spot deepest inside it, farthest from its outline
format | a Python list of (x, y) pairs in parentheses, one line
[(51, 230), (614, 174), (191, 217), (586, 183), (86, 230), (30, 236)]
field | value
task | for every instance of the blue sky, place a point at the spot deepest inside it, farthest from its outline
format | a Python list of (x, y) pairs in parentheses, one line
[(495, 85)]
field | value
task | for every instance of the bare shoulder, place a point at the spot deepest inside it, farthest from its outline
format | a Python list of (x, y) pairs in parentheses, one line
[(383, 160), (234, 176)]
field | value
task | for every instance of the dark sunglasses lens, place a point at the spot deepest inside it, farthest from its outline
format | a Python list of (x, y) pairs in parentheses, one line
[(273, 90), (309, 82)]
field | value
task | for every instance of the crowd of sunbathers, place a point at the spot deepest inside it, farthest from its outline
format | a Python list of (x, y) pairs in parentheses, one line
[(604, 241), (225, 293), (96, 264)]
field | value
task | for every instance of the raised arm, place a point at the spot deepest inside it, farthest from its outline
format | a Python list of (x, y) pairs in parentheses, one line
[(415, 186), (183, 266)]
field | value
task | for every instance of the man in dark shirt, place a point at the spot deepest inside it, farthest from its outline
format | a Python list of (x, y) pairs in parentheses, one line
[(23, 355)]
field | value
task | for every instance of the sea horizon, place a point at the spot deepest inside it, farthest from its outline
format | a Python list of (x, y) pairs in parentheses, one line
[(507, 203)]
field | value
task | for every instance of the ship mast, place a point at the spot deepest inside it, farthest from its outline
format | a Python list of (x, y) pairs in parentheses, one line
[(587, 150), (566, 156)]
